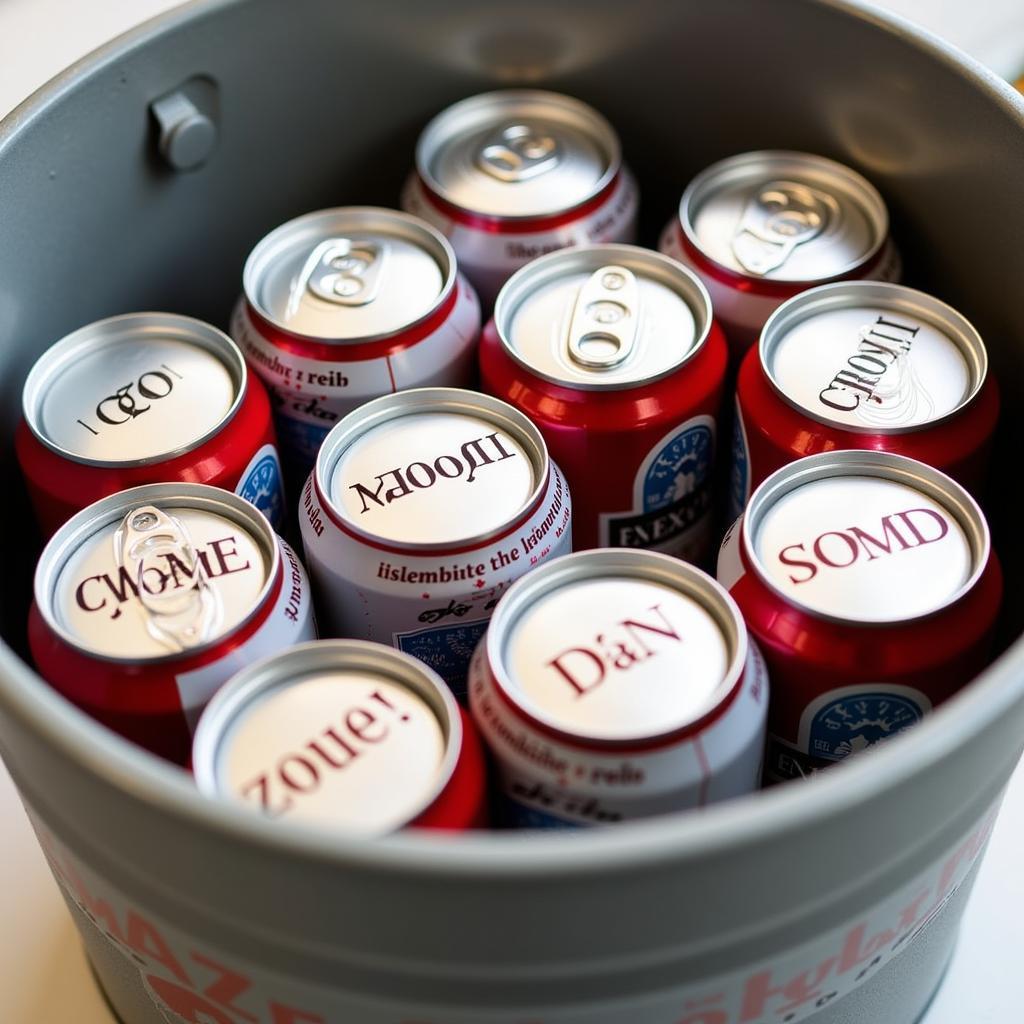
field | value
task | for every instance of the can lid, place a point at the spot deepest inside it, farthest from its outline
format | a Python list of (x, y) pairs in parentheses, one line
[(134, 389), (617, 646), (432, 466), (873, 357), (518, 153), (355, 273), (603, 317), (784, 216), (156, 571), (865, 537), (341, 734)]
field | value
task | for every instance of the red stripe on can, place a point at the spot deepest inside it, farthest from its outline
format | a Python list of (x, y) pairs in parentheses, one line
[(764, 286), (60, 486), (463, 802), (778, 433), (343, 351), (691, 731), (518, 225)]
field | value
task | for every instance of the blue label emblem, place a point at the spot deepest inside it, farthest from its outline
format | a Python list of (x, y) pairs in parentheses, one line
[(848, 725), (674, 494), (447, 650), (261, 485), (679, 470)]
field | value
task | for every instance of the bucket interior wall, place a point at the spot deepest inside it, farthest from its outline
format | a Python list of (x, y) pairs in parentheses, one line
[(319, 104)]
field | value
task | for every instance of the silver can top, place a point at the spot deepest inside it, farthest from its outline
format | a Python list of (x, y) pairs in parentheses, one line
[(339, 734), (603, 317), (616, 646), (134, 389), (872, 357), (355, 273), (432, 467), (518, 153), (156, 571), (784, 216), (865, 537)]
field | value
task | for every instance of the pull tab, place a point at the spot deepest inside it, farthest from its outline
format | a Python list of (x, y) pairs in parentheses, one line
[(341, 270), (604, 323), (518, 152), (781, 216), (181, 608)]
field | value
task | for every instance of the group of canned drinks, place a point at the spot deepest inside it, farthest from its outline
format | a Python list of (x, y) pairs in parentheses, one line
[(618, 682)]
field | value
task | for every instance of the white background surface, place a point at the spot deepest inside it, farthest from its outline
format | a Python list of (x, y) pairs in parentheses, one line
[(43, 975)]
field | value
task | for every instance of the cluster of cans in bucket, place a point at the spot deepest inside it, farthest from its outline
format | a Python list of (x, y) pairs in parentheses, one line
[(439, 476)]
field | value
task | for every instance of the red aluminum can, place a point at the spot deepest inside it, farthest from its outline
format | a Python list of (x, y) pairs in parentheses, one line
[(344, 735), (342, 306), (512, 175), (862, 364), (147, 601), (144, 398), (613, 352), (758, 228), (869, 583)]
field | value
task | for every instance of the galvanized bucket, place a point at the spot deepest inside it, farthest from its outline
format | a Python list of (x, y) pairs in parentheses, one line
[(835, 901)]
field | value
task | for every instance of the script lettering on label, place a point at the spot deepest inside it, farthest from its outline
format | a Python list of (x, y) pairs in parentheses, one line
[(840, 549), (584, 668), (473, 455)]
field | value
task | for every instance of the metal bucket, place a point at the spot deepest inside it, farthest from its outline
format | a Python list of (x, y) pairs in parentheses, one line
[(836, 900)]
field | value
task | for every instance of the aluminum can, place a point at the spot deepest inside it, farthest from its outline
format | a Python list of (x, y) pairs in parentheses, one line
[(144, 398), (343, 735), (342, 306), (422, 509), (511, 175), (613, 352), (147, 601), (863, 364), (760, 227), (616, 684), (869, 582)]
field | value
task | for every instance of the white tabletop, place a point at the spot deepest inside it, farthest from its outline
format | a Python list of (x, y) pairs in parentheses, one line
[(44, 978)]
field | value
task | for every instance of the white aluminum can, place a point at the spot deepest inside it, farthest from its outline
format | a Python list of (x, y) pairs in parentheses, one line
[(341, 306), (758, 228), (616, 684), (512, 175), (422, 509)]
